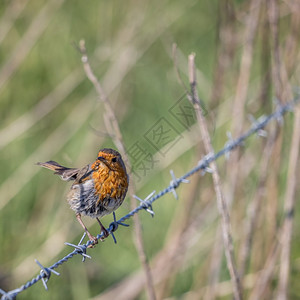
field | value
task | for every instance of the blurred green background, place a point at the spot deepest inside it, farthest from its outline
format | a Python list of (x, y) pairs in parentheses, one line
[(50, 111)]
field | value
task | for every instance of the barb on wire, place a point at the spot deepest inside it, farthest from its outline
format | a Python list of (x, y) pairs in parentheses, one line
[(45, 273), (81, 248), (113, 226), (147, 206), (204, 162), (260, 132), (174, 183), (147, 202), (11, 295), (206, 170)]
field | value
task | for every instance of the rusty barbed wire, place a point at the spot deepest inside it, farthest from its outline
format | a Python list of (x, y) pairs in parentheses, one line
[(146, 204)]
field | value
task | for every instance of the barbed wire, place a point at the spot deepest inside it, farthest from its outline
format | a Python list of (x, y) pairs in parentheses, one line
[(146, 204)]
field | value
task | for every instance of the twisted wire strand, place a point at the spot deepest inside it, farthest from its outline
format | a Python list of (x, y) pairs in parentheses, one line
[(147, 204)]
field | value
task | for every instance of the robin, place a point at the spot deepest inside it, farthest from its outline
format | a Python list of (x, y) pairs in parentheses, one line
[(98, 188)]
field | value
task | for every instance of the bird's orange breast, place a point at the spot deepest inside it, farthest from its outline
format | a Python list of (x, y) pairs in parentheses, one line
[(110, 184)]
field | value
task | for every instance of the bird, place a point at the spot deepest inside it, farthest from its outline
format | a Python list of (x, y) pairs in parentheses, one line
[(98, 189)]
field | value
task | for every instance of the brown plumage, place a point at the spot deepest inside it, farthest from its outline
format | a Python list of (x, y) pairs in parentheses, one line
[(98, 188)]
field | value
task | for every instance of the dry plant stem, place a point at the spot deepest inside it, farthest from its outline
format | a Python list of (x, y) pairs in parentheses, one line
[(142, 255), (114, 131), (226, 45), (263, 281), (285, 233), (280, 76), (221, 202), (265, 274), (289, 206), (272, 184), (256, 204), (241, 94), (214, 271), (224, 288), (245, 67), (227, 48), (264, 95), (109, 113), (130, 286), (283, 92), (273, 13), (232, 167), (292, 42), (176, 234)]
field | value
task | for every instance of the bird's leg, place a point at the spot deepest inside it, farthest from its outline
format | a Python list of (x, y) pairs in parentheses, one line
[(91, 237), (103, 229)]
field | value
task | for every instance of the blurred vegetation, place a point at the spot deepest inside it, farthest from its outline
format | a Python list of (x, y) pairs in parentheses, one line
[(49, 111)]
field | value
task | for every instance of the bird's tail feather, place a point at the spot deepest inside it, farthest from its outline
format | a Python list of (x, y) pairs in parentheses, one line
[(64, 172)]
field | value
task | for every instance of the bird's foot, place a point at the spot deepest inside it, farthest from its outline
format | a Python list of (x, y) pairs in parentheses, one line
[(103, 230), (93, 239), (105, 234)]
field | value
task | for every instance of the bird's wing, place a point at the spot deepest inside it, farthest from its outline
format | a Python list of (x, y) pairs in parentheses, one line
[(83, 174)]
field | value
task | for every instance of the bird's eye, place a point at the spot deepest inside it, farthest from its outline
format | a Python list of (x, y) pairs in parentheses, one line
[(114, 159)]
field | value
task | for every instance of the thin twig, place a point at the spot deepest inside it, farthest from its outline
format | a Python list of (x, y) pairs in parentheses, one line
[(273, 13), (221, 201), (177, 233), (283, 92), (292, 41), (214, 267), (256, 204), (280, 76), (241, 94), (266, 273), (289, 206), (238, 114), (245, 68), (227, 46), (114, 131)]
